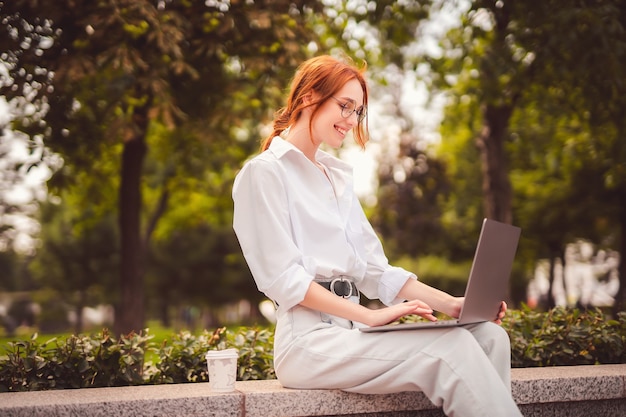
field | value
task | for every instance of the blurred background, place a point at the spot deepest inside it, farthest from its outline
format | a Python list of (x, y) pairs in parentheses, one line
[(124, 122)]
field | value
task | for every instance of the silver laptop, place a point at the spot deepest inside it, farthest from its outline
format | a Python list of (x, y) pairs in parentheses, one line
[(488, 280)]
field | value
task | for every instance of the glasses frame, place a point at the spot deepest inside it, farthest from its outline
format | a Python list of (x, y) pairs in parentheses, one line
[(361, 111)]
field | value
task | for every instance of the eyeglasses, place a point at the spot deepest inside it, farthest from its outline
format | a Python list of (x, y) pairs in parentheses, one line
[(348, 107)]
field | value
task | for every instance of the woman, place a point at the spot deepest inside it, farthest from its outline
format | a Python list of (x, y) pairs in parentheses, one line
[(311, 249)]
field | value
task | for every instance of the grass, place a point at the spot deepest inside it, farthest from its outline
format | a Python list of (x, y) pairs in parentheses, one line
[(159, 335)]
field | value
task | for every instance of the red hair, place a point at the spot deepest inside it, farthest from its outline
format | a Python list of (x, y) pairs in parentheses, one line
[(323, 75)]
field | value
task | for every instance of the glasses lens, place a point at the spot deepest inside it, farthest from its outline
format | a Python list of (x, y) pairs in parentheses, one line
[(360, 113), (348, 108)]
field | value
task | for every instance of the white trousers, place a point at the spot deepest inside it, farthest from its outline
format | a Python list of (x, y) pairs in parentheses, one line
[(465, 370)]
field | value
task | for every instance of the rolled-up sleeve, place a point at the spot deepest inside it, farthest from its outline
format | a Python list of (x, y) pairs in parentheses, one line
[(263, 227)]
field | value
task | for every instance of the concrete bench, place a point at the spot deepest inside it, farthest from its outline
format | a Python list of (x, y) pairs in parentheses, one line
[(595, 390)]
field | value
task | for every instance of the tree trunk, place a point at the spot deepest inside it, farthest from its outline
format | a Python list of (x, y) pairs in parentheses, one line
[(130, 315), (490, 142)]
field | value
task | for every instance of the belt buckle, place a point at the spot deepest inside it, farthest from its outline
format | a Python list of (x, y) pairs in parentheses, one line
[(340, 279)]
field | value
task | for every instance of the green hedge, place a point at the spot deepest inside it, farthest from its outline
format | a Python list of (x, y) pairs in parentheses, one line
[(104, 361), (558, 337), (565, 337)]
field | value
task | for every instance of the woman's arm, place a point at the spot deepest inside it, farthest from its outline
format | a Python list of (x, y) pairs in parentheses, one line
[(262, 223), (320, 299), (437, 299)]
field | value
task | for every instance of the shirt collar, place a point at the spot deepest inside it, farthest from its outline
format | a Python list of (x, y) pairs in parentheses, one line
[(280, 147)]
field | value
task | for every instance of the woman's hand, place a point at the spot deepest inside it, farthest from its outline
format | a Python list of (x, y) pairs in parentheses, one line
[(458, 305), (501, 313), (388, 314), (454, 307)]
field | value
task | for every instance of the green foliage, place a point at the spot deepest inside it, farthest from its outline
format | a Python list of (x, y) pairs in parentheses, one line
[(104, 361), (410, 188), (126, 91), (556, 337), (201, 265), (565, 337), (438, 272), (256, 353), (78, 253), (545, 76), (14, 267), (77, 362), (462, 209), (182, 358)]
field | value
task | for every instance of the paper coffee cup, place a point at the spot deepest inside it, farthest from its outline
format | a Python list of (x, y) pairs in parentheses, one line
[(222, 367)]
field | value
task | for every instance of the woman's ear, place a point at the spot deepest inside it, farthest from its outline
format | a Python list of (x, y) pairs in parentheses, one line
[(310, 98)]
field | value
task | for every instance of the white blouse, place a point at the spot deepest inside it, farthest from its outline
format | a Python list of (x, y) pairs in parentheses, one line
[(295, 224)]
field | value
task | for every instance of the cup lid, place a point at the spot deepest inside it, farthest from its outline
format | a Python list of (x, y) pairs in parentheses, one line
[(219, 354)]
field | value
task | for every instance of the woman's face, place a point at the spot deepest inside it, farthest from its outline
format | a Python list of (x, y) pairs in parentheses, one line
[(329, 126)]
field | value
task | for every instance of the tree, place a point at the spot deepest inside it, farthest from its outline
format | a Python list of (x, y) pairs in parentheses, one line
[(598, 77), (121, 80), (411, 184), (483, 57), (549, 203), (408, 214), (214, 273), (580, 71), (410, 178), (9, 262), (509, 56), (100, 74), (462, 209), (78, 256)]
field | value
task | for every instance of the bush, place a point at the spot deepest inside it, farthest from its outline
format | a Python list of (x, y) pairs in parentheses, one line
[(558, 337), (565, 337), (182, 359), (103, 361), (77, 362)]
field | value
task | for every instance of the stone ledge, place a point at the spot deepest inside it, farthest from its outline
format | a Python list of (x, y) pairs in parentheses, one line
[(554, 391)]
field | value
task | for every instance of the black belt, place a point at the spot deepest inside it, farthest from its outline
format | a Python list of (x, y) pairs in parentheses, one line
[(341, 287)]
